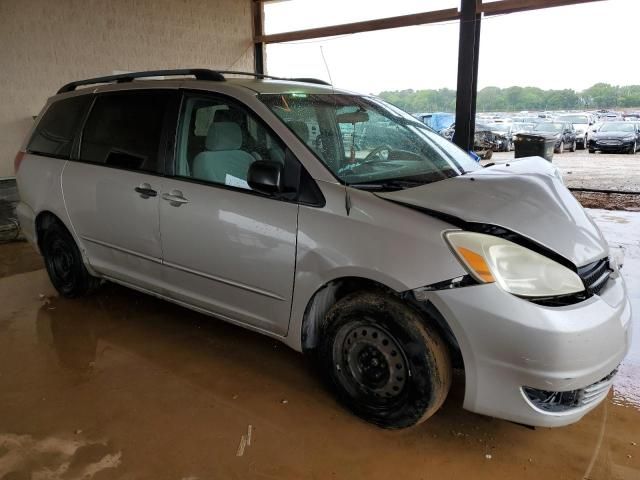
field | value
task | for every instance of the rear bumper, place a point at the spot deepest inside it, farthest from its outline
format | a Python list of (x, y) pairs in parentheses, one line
[(27, 220), (508, 344)]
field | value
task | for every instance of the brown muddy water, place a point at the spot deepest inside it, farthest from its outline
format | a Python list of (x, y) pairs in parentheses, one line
[(121, 385)]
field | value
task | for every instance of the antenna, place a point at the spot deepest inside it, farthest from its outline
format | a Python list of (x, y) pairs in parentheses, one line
[(347, 196)]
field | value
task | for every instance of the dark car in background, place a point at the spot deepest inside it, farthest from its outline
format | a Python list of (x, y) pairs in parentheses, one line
[(503, 136), (484, 140), (564, 133), (615, 137)]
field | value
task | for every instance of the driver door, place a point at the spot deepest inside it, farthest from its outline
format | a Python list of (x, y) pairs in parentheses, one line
[(226, 248)]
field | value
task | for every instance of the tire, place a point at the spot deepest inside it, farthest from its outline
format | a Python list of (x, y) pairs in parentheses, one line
[(64, 263), (591, 150), (574, 146), (383, 361), (561, 147), (633, 149), (585, 143)]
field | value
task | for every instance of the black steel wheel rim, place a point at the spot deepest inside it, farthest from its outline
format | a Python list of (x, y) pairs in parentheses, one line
[(60, 262), (370, 362)]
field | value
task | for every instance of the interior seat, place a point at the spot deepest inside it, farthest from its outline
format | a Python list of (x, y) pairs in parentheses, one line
[(223, 155)]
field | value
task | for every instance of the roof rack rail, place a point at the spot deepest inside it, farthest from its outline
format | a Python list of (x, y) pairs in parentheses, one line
[(271, 77), (199, 73)]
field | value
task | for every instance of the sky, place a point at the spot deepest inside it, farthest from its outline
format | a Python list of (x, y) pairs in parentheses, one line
[(563, 47)]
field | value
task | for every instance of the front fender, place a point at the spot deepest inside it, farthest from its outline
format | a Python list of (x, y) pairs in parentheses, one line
[(377, 240)]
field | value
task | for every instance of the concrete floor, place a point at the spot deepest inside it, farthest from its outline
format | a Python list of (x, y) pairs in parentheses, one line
[(124, 386)]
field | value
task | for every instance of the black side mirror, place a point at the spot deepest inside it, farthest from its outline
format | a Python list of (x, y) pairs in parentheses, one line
[(265, 177)]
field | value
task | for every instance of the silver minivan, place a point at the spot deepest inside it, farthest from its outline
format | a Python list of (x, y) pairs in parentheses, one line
[(341, 226)]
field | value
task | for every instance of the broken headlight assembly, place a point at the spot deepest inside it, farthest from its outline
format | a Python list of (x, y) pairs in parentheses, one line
[(516, 269)]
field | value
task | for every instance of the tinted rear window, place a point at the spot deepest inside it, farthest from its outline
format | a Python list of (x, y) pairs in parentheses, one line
[(59, 126), (124, 129)]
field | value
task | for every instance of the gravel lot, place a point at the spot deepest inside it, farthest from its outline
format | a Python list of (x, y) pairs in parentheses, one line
[(581, 169), (610, 171)]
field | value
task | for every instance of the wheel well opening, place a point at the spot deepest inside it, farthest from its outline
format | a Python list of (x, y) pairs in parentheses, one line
[(333, 291), (43, 220)]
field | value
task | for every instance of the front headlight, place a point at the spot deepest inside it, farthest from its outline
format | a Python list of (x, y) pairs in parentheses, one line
[(516, 269)]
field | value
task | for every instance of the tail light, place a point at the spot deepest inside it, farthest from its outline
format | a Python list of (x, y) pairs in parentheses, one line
[(17, 161)]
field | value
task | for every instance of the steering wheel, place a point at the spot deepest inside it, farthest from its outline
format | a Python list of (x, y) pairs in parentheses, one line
[(377, 152)]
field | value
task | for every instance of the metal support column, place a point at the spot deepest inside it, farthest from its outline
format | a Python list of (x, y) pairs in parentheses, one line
[(468, 56), (258, 32)]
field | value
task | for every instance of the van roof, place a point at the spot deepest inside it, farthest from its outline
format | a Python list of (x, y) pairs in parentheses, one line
[(257, 82)]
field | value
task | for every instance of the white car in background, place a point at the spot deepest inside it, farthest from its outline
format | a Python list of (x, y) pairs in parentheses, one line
[(581, 122)]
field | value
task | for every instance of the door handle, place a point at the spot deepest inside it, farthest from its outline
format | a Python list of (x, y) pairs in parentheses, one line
[(175, 198), (145, 190)]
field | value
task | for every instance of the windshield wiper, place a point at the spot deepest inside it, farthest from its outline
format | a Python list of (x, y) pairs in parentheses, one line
[(389, 185)]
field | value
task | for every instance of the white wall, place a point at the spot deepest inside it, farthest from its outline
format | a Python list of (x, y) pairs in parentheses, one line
[(46, 43)]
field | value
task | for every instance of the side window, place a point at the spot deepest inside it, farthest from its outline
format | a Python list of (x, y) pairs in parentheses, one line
[(219, 139), (59, 126), (124, 130)]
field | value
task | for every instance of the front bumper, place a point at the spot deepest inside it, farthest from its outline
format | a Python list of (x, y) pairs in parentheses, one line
[(508, 344), (611, 146)]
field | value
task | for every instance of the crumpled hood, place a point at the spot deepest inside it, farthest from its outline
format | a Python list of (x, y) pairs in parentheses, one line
[(525, 196)]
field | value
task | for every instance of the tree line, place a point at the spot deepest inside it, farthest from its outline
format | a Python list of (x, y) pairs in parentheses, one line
[(514, 99)]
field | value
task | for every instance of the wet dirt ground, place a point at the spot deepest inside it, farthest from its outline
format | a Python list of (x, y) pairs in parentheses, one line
[(121, 385)]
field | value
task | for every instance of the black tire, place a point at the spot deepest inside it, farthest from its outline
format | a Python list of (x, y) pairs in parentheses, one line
[(633, 149), (64, 264), (561, 147), (574, 146), (591, 150), (383, 361)]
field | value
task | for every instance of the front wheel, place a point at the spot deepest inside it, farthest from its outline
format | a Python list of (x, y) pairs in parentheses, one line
[(633, 149), (64, 264), (383, 361), (561, 147), (573, 146)]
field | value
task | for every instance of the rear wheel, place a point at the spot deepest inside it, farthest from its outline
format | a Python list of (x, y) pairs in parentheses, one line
[(384, 363), (64, 264)]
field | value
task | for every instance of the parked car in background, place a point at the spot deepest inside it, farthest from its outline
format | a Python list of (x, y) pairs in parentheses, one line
[(616, 137), (521, 127), (437, 121), (563, 131), (581, 123), (503, 136), (484, 140)]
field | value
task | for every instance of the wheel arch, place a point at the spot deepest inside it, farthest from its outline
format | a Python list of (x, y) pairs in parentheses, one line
[(42, 221), (332, 291)]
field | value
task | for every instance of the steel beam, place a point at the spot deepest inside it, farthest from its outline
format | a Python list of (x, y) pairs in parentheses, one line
[(359, 27), (258, 30), (468, 48)]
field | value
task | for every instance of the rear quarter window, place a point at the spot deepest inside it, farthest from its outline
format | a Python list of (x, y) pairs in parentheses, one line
[(56, 131), (124, 129)]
